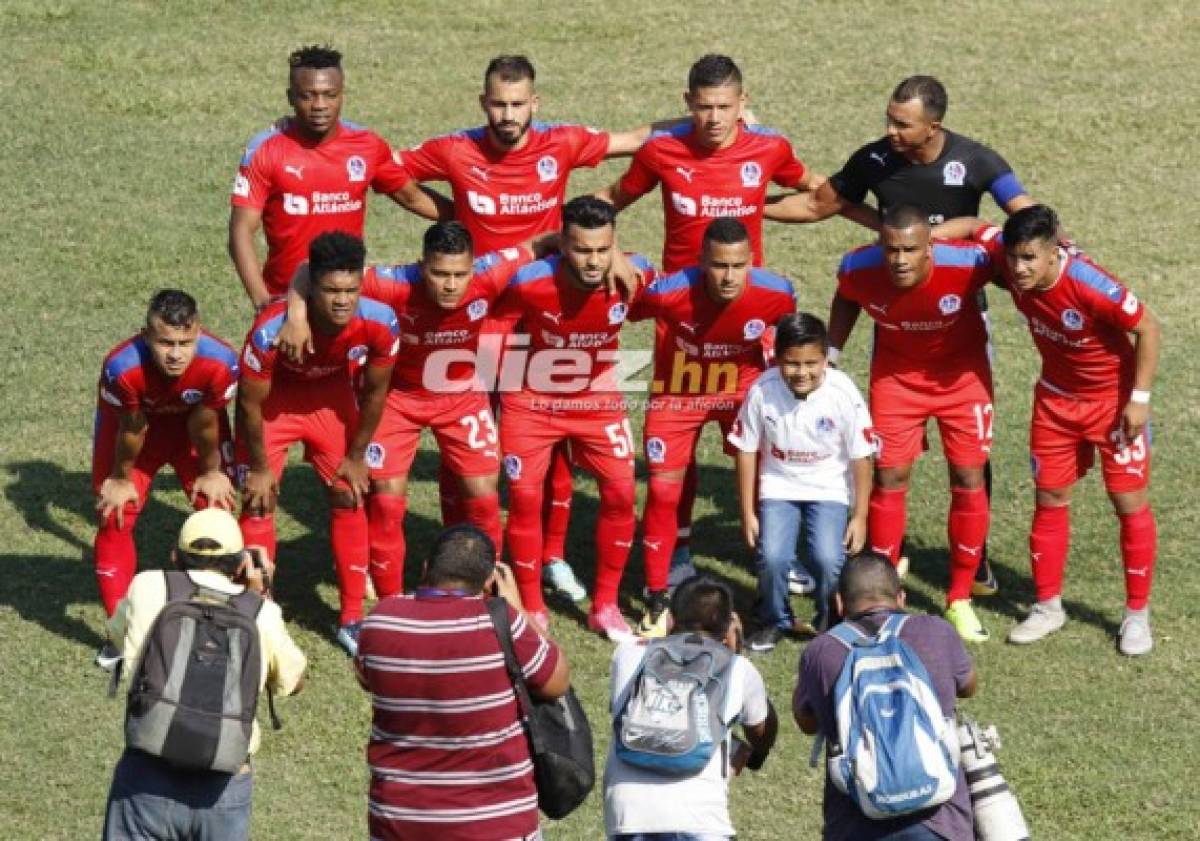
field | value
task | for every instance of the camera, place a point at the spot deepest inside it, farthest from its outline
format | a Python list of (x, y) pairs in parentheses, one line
[(997, 813)]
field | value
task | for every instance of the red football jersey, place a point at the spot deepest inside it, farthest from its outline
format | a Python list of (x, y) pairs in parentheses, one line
[(706, 340), (425, 327), (560, 316), (700, 184), (305, 189), (1080, 325), (932, 329), (507, 198), (372, 338), (131, 382)]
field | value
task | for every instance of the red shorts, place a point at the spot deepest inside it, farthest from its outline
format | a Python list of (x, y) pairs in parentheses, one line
[(1065, 433), (321, 415), (962, 406), (462, 425), (601, 442), (670, 436), (167, 442)]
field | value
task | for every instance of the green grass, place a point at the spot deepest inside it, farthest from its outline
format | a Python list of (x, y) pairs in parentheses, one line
[(125, 124)]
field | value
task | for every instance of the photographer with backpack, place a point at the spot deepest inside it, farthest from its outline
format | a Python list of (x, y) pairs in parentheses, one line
[(880, 689), (204, 639), (675, 702)]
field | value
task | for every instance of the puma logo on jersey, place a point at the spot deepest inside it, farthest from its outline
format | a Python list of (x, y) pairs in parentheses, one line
[(409, 318), (879, 158), (297, 171), (879, 308), (480, 173), (553, 317), (687, 172), (690, 326)]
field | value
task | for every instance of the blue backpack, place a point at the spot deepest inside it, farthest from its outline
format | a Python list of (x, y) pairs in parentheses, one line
[(896, 752)]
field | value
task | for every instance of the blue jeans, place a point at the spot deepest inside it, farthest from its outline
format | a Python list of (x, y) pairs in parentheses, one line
[(779, 527), (151, 799), (669, 836)]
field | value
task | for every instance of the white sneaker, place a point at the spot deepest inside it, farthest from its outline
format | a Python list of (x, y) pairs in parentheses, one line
[(1044, 619), (1134, 638), (800, 583), (902, 567), (560, 578)]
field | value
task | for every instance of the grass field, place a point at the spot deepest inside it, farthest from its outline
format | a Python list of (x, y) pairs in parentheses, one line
[(125, 124)]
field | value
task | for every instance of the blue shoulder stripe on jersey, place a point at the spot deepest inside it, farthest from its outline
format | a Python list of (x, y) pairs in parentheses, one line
[(373, 310), (641, 262), (535, 271), (265, 335), (404, 273), (485, 262), (477, 133), (765, 131), (1005, 188), (681, 130), (256, 141), (135, 353), (1094, 278), (540, 126), (210, 348), (769, 280), (870, 257), (945, 254), (674, 282)]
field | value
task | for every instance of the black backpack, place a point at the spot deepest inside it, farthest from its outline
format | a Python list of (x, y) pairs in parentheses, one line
[(193, 699)]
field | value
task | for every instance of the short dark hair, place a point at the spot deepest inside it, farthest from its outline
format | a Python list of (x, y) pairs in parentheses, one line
[(702, 604), (446, 238), (224, 564), (1034, 222), (588, 212), (929, 90), (335, 251), (797, 329), (461, 554), (903, 216), (713, 71), (173, 307), (314, 57), (725, 230), (510, 68), (867, 578)]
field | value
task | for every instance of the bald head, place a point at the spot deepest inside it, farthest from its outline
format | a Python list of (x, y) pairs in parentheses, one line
[(868, 581), (904, 216)]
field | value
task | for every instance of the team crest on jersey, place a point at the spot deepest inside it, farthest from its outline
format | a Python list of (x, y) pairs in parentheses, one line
[(512, 467), (356, 168), (477, 309), (191, 395), (1072, 319), (617, 312), (376, 455), (251, 360), (825, 425), (753, 329), (954, 173), (751, 174), (241, 186), (656, 450), (356, 353), (950, 304), (547, 168)]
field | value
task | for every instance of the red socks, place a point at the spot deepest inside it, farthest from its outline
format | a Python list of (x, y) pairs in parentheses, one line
[(1139, 542), (348, 534), (259, 531), (116, 558), (556, 505), (450, 497), (687, 501), (659, 525), (614, 539), (385, 529), (967, 529), (484, 512), (1049, 540), (523, 533), (887, 521)]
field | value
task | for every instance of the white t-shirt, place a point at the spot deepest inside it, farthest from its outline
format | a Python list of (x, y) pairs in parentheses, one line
[(806, 445), (638, 800)]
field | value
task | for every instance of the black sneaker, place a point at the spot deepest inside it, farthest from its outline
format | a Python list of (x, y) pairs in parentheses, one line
[(654, 620), (108, 656), (764, 639), (985, 583)]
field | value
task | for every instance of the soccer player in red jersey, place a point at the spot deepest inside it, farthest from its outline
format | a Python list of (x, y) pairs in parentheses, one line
[(1094, 393), (309, 176), (441, 303), (509, 181), (281, 402), (568, 394), (929, 360), (715, 316), (161, 400)]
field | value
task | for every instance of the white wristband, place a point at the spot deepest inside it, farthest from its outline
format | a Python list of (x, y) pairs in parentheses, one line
[(835, 353), (1139, 396)]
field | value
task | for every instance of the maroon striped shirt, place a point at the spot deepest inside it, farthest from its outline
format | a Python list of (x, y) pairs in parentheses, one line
[(448, 756)]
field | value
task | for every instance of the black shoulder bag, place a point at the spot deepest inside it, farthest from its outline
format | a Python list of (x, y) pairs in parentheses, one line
[(560, 738)]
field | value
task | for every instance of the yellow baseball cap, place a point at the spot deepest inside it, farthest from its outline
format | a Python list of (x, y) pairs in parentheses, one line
[(211, 524)]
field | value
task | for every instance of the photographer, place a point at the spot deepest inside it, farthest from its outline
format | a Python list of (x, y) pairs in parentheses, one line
[(152, 797)]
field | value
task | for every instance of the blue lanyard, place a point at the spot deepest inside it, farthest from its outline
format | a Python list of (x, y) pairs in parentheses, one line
[(438, 593)]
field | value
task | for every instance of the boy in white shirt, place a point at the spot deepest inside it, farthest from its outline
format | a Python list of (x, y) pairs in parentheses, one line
[(805, 435)]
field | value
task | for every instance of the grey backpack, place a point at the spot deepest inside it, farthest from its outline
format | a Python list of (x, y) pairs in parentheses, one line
[(672, 719), (193, 699)]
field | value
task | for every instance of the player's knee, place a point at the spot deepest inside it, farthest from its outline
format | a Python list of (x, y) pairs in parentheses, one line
[(393, 486), (475, 487), (1053, 497), (967, 478), (1129, 502), (341, 497), (893, 478), (617, 498), (524, 500)]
